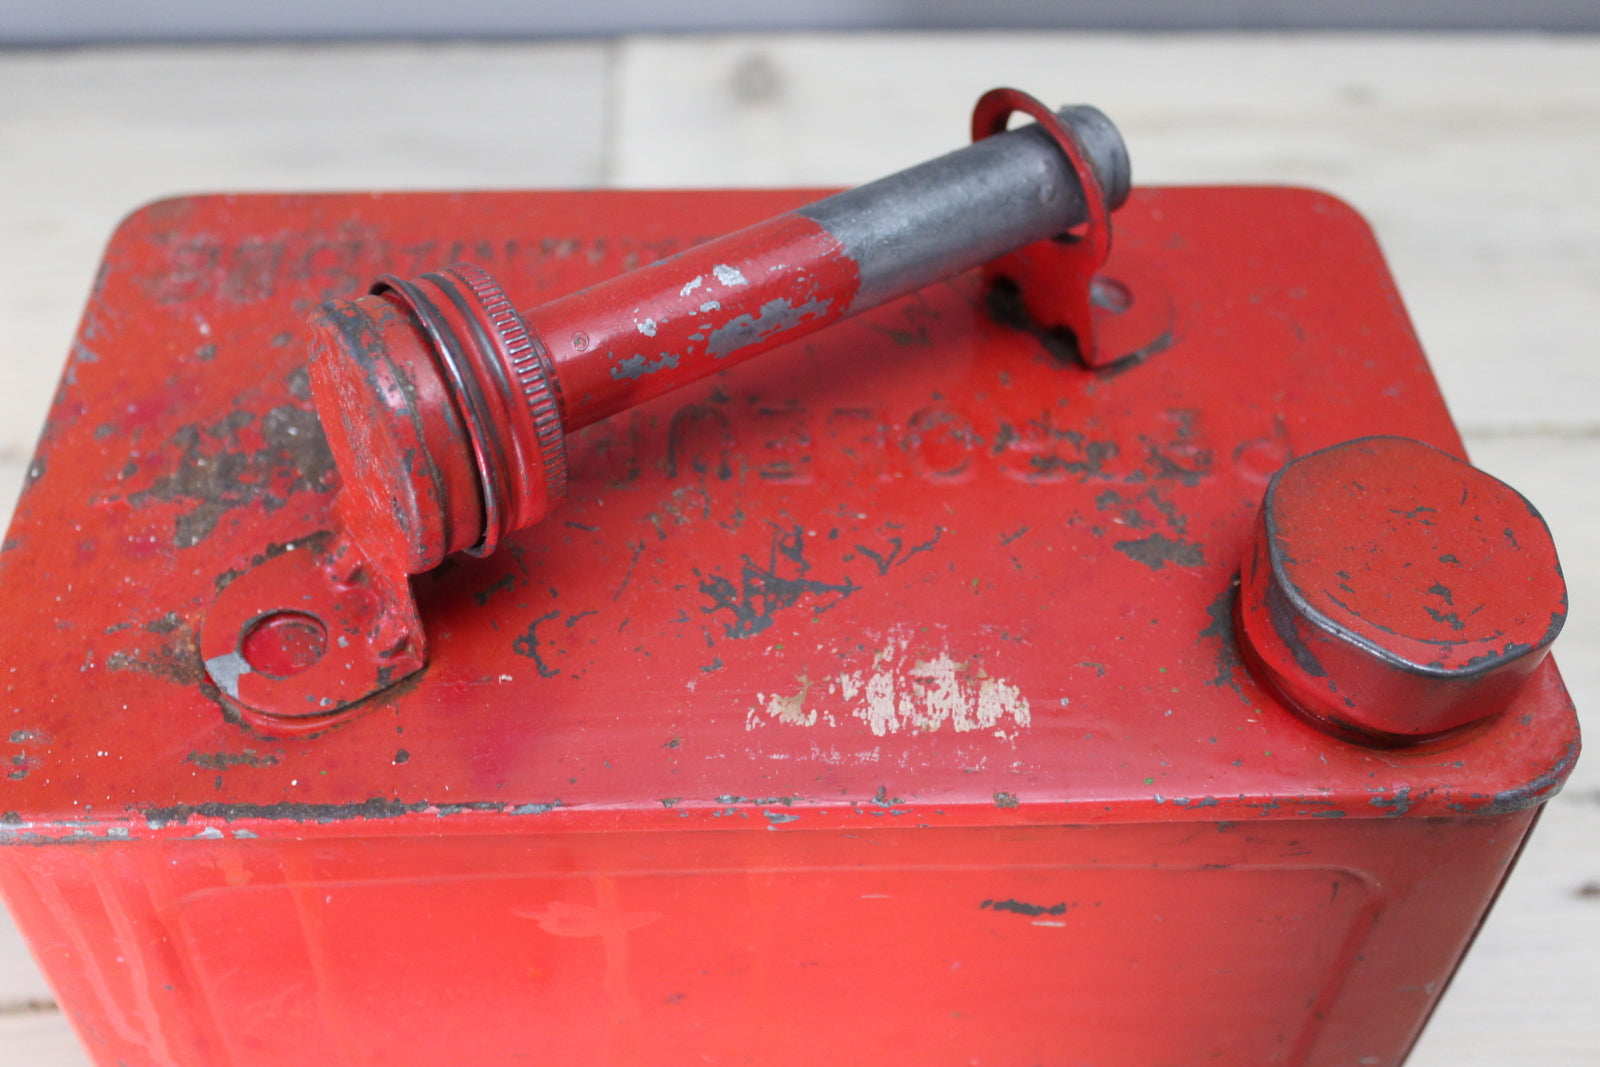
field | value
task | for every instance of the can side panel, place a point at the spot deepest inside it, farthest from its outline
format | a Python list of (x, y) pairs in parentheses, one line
[(107, 954), (1313, 942), (1441, 878)]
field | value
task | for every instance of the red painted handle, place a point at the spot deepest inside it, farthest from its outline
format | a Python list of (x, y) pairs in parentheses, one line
[(446, 409)]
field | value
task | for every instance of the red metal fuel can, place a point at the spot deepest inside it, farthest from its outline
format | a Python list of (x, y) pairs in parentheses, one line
[(1104, 658)]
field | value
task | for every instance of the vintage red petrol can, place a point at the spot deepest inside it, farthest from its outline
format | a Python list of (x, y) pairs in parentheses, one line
[(914, 694)]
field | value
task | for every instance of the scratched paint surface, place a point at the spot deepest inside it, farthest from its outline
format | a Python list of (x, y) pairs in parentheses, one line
[(918, 556), (743, 293), (1473, 595)]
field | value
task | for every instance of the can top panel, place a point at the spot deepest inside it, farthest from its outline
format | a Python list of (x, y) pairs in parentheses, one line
[(917, 567)]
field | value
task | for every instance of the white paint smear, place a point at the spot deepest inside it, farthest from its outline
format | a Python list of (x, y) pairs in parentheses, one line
[(901, 693)]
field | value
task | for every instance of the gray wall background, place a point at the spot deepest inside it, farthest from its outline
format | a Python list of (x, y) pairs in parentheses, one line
[(73, 22)]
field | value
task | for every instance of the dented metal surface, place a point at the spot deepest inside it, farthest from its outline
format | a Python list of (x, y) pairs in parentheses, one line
[(914, 626)]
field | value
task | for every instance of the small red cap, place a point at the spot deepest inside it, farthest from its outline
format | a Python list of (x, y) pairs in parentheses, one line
[(1397, 591)]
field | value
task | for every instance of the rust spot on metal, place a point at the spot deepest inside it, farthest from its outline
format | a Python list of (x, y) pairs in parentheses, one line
[(1157, 550), (506, 581), (897, 553), (1221, 630), (1024, 908), (316, 543), (164, 625), (529, 643), (1093, 461), (637, 366), (177, 659), (776, 316), (237, 462), (765, 590), (291, 811), (1536, 790), (222, 761), (1005, 305), (1398, 804), (1142, 510), (536, 809)]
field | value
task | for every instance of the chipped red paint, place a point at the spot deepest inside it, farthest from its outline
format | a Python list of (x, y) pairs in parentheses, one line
[(362, 628), (821, 654), (1398, 590), (447, 413), (633, 338), (446, 452)]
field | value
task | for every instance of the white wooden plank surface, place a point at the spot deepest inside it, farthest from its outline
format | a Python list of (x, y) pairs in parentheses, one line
[(1473, 158), (39, 1039)]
